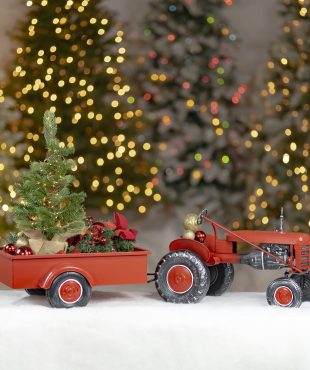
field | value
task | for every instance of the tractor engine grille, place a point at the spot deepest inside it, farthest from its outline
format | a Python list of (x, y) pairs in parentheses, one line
[(303, 257)]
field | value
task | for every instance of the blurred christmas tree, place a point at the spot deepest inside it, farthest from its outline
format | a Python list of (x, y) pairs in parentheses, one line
[(281, 140), (189, 94), (68, 61), (8, 151)]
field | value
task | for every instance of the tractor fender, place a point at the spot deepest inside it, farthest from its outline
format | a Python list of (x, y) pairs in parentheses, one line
[(57, 270), (191, 245)]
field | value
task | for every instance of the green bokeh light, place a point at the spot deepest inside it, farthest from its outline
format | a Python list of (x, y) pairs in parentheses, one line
[(147, 32), (198, 157)]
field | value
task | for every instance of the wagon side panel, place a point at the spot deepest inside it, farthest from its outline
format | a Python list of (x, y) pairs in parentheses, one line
[(102, 270), (118, 270), (27, 274), (6, 269), (22, 272)]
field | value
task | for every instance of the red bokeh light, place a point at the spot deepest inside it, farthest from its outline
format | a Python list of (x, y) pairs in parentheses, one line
[(147, 96), (152, 54)]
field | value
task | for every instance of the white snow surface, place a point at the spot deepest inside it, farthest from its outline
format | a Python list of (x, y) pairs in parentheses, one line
[(138, 330)]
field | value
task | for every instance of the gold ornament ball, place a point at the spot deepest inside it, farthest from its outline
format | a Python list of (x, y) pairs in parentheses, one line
[(190, 222), (189, 234)]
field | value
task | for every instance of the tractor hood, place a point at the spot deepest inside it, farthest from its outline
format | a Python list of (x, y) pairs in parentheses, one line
[(272, 237)]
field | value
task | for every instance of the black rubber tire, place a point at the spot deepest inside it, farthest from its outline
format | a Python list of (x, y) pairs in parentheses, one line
[(36, 291), (53, 293), (200, 275), (222, 276), (303, 280), (287, 283)]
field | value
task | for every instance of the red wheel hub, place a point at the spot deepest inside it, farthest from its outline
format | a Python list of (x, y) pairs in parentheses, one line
[(283, 296), (179, 279), (70, 291)]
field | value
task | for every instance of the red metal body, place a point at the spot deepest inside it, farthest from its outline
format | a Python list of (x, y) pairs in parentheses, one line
[(215, 250), (39, 271)]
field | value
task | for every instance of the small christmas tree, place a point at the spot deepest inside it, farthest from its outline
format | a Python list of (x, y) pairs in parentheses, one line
[(45, 202)]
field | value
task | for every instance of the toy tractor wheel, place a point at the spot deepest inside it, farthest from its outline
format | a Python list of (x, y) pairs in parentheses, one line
[(284, 292), (303, 280), (222, 276), (181, 277), (37, 291), (68, 290)]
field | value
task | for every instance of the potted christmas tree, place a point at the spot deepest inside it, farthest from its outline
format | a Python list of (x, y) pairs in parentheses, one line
[(47, 211)]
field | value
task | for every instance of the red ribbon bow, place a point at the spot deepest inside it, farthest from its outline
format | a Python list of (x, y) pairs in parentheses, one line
[(121, 229)]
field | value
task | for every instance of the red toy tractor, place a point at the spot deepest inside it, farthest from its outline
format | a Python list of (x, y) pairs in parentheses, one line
[(194, 269)]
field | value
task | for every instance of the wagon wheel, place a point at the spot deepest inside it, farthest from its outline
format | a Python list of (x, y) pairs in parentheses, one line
[(284, 292), (303, 280), (68, 290), (222, 276), (36, 291), (181, 277)]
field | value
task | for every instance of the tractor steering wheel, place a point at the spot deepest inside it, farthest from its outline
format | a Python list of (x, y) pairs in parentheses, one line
[(202, 213)]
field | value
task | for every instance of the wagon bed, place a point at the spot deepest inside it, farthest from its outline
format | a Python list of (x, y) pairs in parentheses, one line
[(39, 271)]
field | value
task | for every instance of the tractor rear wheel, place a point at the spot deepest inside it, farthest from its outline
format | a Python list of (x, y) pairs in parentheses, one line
[(181, 277), (303, 280), (222, 276), (284, 292)]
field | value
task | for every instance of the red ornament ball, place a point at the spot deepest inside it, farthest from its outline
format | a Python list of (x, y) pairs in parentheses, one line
[(99, 240), (96, 229), (10, 248), (103, 240), (90, 220), (23, 251), (200, 236)]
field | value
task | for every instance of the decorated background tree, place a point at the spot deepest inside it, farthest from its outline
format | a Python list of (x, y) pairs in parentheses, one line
[(281, 139), (189, 93), (68, 61), (45, 203), (9, 149)]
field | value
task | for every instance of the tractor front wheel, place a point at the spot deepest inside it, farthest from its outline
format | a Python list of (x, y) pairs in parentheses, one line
[(222, 276), (284, 292), (181, 277)]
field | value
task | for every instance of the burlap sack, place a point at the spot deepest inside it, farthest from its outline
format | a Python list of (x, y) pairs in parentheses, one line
[(52, 246), (35, 245), (40, 245)]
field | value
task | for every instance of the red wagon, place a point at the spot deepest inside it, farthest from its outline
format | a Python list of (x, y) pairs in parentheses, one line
[(67, 279)]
